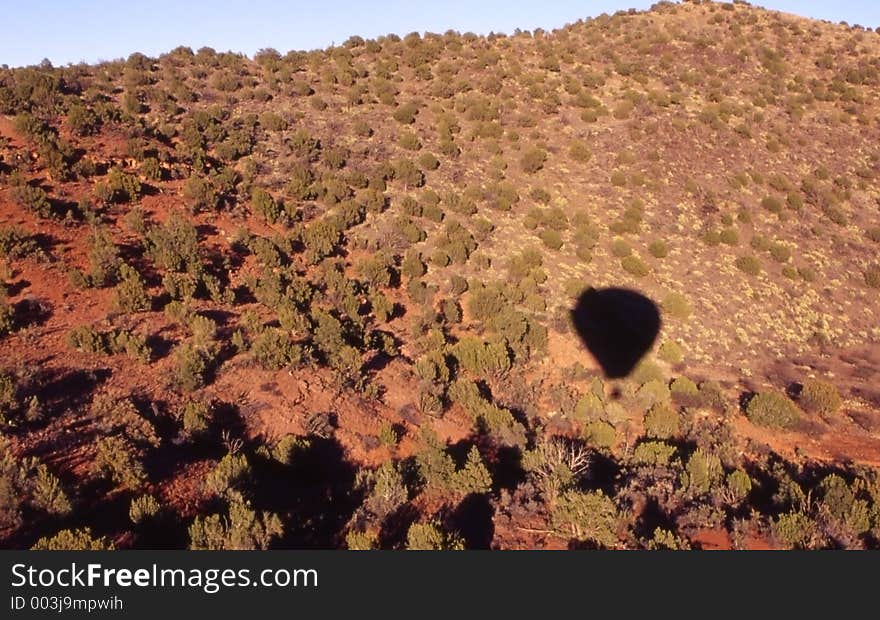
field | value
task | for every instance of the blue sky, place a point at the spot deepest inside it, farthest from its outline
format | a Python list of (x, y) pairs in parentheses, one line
[(66, 31)]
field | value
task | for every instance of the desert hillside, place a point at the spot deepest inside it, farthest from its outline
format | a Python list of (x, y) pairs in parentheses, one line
[(338, 298)]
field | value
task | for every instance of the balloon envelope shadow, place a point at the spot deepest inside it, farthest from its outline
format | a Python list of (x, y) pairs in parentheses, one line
[(618, 326)]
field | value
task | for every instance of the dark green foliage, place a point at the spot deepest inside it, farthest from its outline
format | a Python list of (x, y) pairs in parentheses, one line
[(7, 315), (430, 537), (117, 459), (772, 204), (200, 193), (819, 397), (239, 528), (197, 418), (580, 152), (412, 265), (772, 409), (27, 485), (273, 349), (124, 187), (131, 293), (89, 340), (408, 173), (482, 358), (16, 243), (174, 246), (32, 198), (104, 260), (590, 517), (191, 365), (265, 205), (320, 238), (376, 270), (82, 120)]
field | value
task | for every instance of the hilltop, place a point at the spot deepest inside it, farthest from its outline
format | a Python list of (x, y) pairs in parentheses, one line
[(324, 299)]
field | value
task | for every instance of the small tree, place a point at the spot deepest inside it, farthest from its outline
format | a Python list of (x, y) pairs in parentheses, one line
[(819, 397), (118, 459), (772, 409), (240, 528), (431, 537), (533, 160), (131, 293)]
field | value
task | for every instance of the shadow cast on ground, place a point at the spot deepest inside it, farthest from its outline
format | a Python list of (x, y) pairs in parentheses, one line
[(618, 326)]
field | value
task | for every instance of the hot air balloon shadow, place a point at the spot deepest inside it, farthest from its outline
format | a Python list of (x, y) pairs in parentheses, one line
[(618, 327)]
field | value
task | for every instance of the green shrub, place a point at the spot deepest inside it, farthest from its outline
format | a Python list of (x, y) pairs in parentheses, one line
[(16, 243), (27, 484), (618, 178), (659, 249), (579, 152), (89, 340), (200, 193), (321, 238), (533, 160), (620, 248), (231, 475), (780, 253), (190, 367), (197, 417), (600, 434), (551, 239), (872, 275), (174, 246), (772, 409), (840, 502), (653, 454), (590, 517), (430, 537), (794, 530), (263, 204), (124, 187), (702, 473), (482, 358), (33, 198), (473, 477), (131, 294), (428, 161), (273, 349), (73, 540), (729, 236), (772, 204), (143, 509), (748, 264), (406, 113), (671, 352), (117, 459), (652, 392), (241, 528), (634, 266), (661, 421), (684, 387), (104, 259), (819, 397)]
